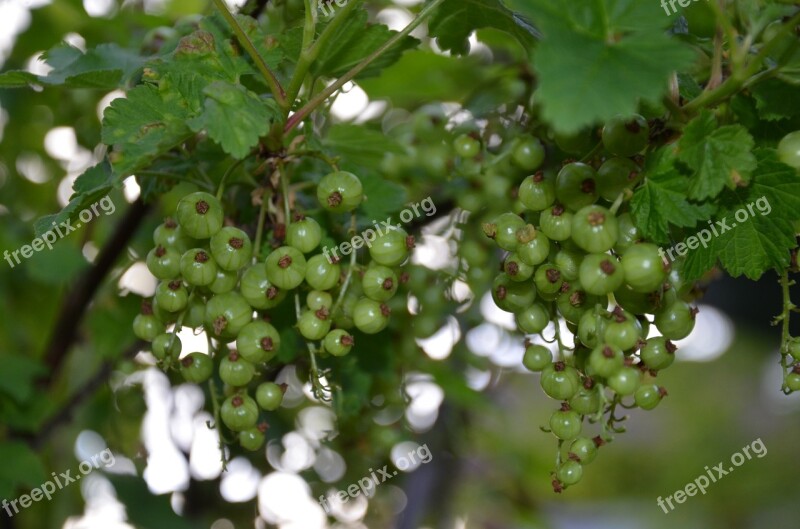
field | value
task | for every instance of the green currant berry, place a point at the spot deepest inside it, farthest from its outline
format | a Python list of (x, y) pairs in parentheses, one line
[(146, 326), (591, 328), (605, 360), (314, 325), (584, 449), (569, 473), (556, 223), (569, 263), (572, 302), (304, 234), (226, 315), (537, 357), (224, 281), (466, 146), (239, 412), (259, 292), (252, 439), (626, 136), (269, 396), (793, 381), (200, 215), (504, 230), (164, 263), (676, 320), (516, 269), (645, 269), (338, 342), (658, 353), (533, 248), (623, 330), (528, 153), (370, 316), (286, 267), (167, 346), (548, 281), (789, 149), (235, 370), (637, 302), (511, 296), (322, 274), (258, 342), (625, 381), (231, 248), (198, 268), (196, 367), (560, 382), (391, 248), (629, 234), (172, 296), (576, 185), (379, 283), (586, 401), (533, 319), (340, 192), (537, 193), (195, 313), (169, 235), (615, 176), (317, 299), (601, 274), (565, 424), (648, 396), (594, 229), (794, 348)]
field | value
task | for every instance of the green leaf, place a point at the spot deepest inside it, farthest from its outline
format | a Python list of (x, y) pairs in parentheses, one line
[(18, 375), (359, 144), (661, 201), (107, 66), (354, 40), (763, 235), (776, 99), (21, 467), (455, 20), (142, 127), (89, 187), (235, 118), (17, 79), (719, 156), (383, 198), (423, 76), (599, 59)]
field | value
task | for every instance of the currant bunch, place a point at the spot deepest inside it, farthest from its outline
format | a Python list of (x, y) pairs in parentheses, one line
[(210, 279), (572, 253)]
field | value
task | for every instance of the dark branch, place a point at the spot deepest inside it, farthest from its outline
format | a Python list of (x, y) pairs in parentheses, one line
[(65, 331)]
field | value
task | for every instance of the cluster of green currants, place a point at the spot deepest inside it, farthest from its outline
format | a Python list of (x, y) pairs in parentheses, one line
[(211, 279), (571, 255)]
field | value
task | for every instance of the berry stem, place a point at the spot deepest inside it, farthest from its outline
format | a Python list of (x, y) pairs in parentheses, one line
[(231, 169), (212, 389), (262, 218), (320, 98), (784, 318), (349, 276), (272, 82)]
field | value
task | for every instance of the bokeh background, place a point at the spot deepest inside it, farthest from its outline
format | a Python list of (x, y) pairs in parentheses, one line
[(490, 461)]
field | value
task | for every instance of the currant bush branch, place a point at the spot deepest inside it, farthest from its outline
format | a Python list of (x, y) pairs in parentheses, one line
[(272, 82), (320, 98)]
